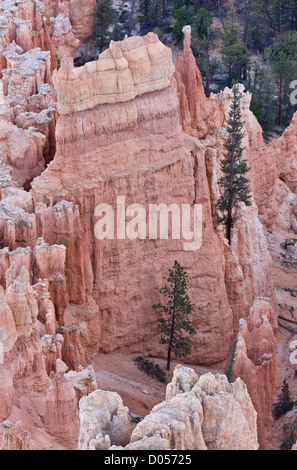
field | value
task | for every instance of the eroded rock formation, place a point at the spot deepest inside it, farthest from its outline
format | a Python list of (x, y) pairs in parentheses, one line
[(255, 364), (81, 14), (127, 126), (104, 421), (205, 413)]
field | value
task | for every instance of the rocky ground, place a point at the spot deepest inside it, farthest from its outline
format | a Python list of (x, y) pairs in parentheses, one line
[(140, 393)]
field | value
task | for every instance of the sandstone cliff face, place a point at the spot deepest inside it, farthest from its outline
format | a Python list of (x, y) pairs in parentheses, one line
[(64, 295), (199, 414), (80, 13), (247, 262), (27, 108), (140, 130)]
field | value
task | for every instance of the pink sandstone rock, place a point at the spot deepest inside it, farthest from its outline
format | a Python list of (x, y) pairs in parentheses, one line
[(255, 364), (12, 441), (80, 12), (62, 37), (183, 163), (61, 415), (119, 74)]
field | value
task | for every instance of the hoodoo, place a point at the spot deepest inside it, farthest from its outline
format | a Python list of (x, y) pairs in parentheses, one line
[(110, 172)]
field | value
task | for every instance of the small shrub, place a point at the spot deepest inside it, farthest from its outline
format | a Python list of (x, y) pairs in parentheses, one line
[(230, 363), (284, 401), (288, 242), (150, 368), (290, 436), (292, 292)]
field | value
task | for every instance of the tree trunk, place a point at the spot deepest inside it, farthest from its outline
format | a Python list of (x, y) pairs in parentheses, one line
[(165, 9), (207, 72), (230, 202), (229, 223), (168, 359), (280, 102), (247, 21), (172, 323)]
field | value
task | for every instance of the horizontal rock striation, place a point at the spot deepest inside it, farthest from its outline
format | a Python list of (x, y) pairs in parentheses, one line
[(140, 130), (129, 68)]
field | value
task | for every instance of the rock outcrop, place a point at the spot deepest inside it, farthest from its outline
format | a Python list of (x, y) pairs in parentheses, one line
[(81, 14), (61, 414), (104, 421), (255, 363), (129, 68), (141, 129), (129, 127), (205, 413), (27, 107), (13, 441)]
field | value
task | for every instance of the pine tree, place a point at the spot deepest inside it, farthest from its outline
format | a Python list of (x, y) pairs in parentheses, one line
[(151, 13), (283, 57), (263, 103), (234, 51), (173, 316), (180, 16), (203, 38), (234, 184), (104, 18)]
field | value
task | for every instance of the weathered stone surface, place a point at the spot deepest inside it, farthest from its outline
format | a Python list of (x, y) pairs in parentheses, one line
[(84, 381), (80, 12), (62, 37), (127, 69), (61, 415), (12, 441), (255, 364), (199, 414), (104, 421)]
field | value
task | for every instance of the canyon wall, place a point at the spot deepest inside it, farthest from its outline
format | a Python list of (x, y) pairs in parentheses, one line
[(126, 125), (140, 130)]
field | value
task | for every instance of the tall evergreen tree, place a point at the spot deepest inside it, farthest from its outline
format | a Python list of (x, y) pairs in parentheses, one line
[(234, 184), (174, 319), (263, 103), (203, 38), (234, 51), (283, 57), (151, 13), (104, 18)]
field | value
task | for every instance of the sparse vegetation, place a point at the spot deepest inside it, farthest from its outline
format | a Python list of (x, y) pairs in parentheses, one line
[(288, 242), (234, 184), (290, 436), (150, 368), (252, 41), (230, 363), (292, 292), (175, 326), (284, 401)]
